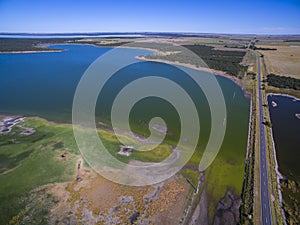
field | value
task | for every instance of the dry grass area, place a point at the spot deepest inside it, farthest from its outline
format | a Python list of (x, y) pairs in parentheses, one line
[(284, 61), (95, 200)]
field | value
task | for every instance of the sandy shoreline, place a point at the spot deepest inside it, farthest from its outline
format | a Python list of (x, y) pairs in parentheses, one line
[(202, 69)]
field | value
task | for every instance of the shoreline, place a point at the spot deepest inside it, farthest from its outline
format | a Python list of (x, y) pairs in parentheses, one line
[(26, 116), (280, 176), (202, 69), (249, 130), (43, 48), (142, 58), (34, 51), (284, 95)]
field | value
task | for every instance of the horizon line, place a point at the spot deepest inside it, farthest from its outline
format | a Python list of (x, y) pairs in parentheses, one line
[(145, 32)]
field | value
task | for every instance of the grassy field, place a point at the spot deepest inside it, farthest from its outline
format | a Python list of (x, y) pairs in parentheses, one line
[(223, 176), (284, 61), (31, 161)]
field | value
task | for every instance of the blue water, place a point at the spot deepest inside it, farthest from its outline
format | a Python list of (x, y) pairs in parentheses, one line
[(286, 130), (44, 84)]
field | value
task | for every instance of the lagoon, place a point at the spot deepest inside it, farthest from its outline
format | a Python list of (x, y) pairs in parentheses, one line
[(44, 84)]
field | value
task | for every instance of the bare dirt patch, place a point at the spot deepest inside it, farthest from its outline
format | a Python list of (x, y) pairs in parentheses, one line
[(95, 200)]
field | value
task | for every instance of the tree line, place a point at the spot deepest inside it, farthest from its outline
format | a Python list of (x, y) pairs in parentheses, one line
[(227, 61), (283, 82)]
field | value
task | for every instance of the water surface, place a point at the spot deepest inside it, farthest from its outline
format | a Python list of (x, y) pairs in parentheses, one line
[(44, 84), (286, 131)]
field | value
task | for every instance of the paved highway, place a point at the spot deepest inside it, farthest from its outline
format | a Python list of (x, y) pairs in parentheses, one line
[(266, 217)]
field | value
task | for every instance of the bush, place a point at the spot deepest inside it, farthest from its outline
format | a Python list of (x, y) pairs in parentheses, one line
[(283, 82)]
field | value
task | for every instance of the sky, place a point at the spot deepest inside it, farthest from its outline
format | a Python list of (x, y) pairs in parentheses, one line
[(197, 16)]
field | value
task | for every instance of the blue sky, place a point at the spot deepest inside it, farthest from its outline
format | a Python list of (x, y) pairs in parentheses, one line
[(209, 16)]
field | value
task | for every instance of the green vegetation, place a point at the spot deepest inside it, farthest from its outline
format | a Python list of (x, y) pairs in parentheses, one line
[(264, 49), (223, 60), (30, 44), (38, 44), (225, 173), (235, 46), (291, 196), (283, 82), (30, 161), (192, 176), (105, 43), (112, 144), (155, 155), (38, 207), (292, 40), (227, 61), (246, 209), (267, 123), (162, 47)]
